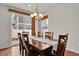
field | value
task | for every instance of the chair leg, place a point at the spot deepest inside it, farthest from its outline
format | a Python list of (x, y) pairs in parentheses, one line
[(22, 52), (25, 53), (20, 49)]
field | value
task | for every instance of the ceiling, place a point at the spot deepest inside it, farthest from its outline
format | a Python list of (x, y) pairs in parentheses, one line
[(42, 7)]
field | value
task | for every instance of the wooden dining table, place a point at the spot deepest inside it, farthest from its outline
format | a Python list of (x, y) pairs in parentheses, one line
[(47, 41), (41, 45)]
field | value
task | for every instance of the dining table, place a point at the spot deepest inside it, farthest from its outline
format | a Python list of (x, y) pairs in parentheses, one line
[(41, 45), (44, 40)]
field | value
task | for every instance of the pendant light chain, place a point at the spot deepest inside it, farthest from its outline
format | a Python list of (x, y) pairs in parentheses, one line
[(37, 11)]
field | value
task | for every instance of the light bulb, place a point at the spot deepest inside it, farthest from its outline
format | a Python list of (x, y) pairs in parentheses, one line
[(41, 15), (31, 15), (35, 14)]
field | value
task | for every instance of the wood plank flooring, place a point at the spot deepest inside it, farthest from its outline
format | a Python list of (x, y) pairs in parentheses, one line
[(14, 51), (71, 53)]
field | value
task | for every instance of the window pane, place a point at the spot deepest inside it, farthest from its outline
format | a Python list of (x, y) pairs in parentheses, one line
[(21, 26), (21, 19), (28, 27)]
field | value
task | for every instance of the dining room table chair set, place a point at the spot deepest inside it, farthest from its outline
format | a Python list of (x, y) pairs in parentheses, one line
[(40, 48)]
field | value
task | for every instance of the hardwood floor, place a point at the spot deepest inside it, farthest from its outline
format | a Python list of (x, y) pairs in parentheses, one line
[(70, 53), (14, 51), (14, 42)]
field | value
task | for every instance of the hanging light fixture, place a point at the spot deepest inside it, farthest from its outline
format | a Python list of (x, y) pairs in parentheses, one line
[(37, 14)]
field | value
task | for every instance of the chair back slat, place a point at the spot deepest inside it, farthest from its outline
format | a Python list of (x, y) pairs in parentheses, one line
[(40, 34), (49, 35)]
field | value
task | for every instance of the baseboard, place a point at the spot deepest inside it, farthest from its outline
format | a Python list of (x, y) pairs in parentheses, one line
[(14, 39), (15, 45), (8, 47), (77, 52), (4, 48)]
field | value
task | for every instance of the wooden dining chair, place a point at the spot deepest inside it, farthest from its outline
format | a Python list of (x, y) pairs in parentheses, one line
[(61, 45), (26, 32), (33, 34), (21, 43), (40, 34), (29, 50), (49, 35), (19, 37), (21, 48)]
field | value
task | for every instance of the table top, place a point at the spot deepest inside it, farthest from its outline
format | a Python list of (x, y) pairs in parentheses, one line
[(47, 41), (40, 45)]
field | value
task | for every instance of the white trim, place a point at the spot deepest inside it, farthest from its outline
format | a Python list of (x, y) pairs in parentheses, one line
[(73, 51)]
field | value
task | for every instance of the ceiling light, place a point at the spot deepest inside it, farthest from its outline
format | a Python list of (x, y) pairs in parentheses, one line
[(32, 15), (35, 14), (41, 15)]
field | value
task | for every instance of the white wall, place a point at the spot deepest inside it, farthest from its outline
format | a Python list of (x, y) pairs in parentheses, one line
[(4, 27), (65, 18)]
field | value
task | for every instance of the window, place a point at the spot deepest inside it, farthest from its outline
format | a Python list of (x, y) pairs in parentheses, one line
[(28, 27), (44, 25), (24, 23)]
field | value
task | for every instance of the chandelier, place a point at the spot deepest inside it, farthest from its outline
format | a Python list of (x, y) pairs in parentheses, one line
[(37, 14)]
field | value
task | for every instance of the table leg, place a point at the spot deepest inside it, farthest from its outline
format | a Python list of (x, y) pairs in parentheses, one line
[(42, 53)]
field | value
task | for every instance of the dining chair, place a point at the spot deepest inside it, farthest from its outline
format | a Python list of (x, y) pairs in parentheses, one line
[(33, 34), (21, 37), (61, 45), (49, 35), (29, 50), (21, 48), (27, 32), (40, 34)]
